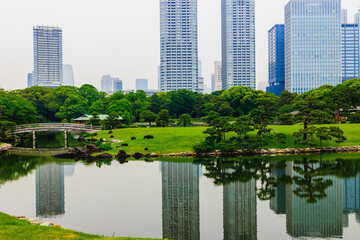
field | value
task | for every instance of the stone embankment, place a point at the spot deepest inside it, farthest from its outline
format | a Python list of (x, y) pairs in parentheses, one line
[(5, 147), (37, 222)]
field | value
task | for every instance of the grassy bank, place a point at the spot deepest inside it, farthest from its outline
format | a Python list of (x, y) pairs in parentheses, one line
[(15, 229), (178, 139)]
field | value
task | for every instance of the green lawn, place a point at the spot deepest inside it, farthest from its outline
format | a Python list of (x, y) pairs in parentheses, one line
[(14, 229), (178, 139)]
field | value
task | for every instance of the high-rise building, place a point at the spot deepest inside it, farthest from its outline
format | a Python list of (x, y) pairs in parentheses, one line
[(108, 84), (276, 55), (118, 86), (68, 78), (50, 194), (30, 80), (350, 51), (218, 76), (178, 45), (180, 201), (212, 82), (239, 200), (238, 43), (48, 56), (344, 17), (312, 44), (142, 84), (357, 18)]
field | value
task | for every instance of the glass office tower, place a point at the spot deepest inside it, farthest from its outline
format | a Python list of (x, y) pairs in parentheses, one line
[(350, 51), (142, 84), (238, 43), (178, 45), (48, 59), (312, 44), (276, 43)]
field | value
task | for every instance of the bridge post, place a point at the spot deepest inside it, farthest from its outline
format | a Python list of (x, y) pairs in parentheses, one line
[(34, 139), (66, 139)]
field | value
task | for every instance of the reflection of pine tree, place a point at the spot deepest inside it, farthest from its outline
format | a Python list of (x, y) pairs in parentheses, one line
[(309, 183)]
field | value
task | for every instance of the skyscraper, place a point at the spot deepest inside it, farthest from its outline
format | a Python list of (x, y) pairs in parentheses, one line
[(312, 44), (118, 86), (180, 201), (344, 17), (68, 79), (178, 45), (48, 58), (142, 84), (276, 43), (108, 84), (350, 51), (217, 75), (30, 80), (238, 43)]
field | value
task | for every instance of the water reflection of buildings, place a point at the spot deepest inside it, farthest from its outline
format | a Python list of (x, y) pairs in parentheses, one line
[(180, 201), (278, 202), (239, 201), (320, 219), (351, 198), (50, 200)]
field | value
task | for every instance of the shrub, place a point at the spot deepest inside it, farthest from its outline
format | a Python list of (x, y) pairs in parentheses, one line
[(105, 147), (355, 118), (202, 147), (227, 146)]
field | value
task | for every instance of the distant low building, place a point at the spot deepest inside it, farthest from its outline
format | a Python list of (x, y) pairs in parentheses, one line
[(85, 118)]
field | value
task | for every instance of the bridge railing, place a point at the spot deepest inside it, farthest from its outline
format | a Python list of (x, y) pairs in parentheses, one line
[(64, 126)]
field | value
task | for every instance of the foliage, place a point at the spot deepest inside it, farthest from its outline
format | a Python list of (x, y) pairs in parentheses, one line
[(322, 133), (211, 117), (112, 121), (184, 120), (286, 119), (94, 120), (163, 119), (105, 147), (355, 118), (148, 116)]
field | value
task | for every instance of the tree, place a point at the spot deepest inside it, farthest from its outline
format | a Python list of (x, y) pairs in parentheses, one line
[(148, 116), (287, 98), (181, 102), (163, 118), (112, 121), (355, 118), (312, 106), (184, 120), (265, 112), (286, 119), (95, 120), (211, 118)]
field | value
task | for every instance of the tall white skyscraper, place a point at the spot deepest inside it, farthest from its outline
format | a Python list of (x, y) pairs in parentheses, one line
[(217, 76), (68, 78), (178, 45), (238, 43), (344, 17), (312, 44), (48, 56)]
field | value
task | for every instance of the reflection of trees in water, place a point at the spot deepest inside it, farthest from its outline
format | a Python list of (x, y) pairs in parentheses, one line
[(309, 174)]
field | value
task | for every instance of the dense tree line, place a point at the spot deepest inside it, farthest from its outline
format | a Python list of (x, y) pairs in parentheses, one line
[(40, 104)]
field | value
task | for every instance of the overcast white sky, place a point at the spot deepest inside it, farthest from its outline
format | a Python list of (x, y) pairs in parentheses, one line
[(118, 37)]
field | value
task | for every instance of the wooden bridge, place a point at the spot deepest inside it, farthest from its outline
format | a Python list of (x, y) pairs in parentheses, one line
[(50, 127), (54, 127)]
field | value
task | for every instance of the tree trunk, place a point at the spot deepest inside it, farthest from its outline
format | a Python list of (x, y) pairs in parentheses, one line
[(337, 116), (306, 124)]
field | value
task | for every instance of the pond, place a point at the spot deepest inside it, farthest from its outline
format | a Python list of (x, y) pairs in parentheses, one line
[(251, 198)]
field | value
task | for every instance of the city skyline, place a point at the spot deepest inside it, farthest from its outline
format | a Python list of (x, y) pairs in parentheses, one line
[(107, 53)]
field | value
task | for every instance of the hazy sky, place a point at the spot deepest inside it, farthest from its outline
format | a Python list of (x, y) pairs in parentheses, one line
[(118, 37)]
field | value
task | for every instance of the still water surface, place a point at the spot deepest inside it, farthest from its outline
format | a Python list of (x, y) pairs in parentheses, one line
[(245, 199)]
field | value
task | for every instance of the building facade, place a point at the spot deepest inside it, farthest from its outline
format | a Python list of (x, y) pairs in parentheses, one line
[(118, 86), (68, 78), (312, 44), (238, 43), (350, 51), (30, 80), (109, 84), (48, 58), (178, 45), (276, 48), (218, 76), (142, 84)]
